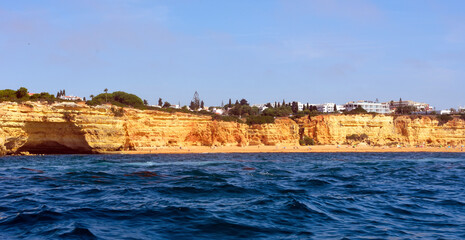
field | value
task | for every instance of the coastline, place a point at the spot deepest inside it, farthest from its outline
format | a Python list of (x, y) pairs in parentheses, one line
[(289, 149)]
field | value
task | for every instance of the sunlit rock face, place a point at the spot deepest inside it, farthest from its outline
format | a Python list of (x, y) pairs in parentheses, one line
[(383, 130), (77, 128)]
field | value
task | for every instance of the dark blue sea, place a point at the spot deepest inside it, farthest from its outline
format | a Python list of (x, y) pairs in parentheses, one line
[(234, 196)]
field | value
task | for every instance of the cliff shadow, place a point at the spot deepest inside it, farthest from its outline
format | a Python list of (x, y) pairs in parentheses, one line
[(54, 138)]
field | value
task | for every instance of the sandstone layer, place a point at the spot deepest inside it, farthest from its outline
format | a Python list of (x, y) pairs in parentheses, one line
[(384, 130), (78, 128)]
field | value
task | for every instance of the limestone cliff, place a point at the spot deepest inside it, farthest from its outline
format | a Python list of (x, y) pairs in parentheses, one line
[(78, 128), (383, 130), (75, 128)]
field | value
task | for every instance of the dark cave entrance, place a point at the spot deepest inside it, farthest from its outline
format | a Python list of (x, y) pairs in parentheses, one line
[(54, 138)]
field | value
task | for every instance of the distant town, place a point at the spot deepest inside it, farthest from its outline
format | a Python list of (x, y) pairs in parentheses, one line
[(237, 108)]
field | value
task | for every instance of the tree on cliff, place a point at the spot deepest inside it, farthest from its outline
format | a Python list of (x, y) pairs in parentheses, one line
[(295, 107), (91, 96), (118, 98), (21, 93), (358, 110), (7, 95), (281, 111), (195, 103), (202, 105), (405, 109), (106, 93)]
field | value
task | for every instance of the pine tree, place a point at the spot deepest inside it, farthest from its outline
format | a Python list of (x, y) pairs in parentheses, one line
[(201, 105), (106, 94), (195, 103), (295, 107), (160, 102)]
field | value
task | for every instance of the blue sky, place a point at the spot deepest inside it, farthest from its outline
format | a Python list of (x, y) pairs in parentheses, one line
[(306, 50)]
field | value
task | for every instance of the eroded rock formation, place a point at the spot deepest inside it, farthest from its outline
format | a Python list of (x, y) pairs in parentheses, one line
[(74, 128), (383, 130), (77, 128)]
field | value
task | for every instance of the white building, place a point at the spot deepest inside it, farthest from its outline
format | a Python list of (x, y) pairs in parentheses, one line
[(301, 106), (70, 98), (218, 111), (420, 107), (261, 107), (447, 111), (325, 107), (369, 106)]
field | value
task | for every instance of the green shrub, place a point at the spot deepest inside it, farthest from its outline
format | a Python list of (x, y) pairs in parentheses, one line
[(259, 120), (243, 110), (443, 119), (22, 93), (117, 112), (358, 110), (7, 95), (282, 111), (118, 98), (43, 96)]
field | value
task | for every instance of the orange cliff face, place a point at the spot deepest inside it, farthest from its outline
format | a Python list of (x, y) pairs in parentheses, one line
[(75, 128), (383, 130)]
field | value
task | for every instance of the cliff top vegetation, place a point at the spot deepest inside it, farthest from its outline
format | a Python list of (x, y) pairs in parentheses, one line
[(118, 98), (22, 94)]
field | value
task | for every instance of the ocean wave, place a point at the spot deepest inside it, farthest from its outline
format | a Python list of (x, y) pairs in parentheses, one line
[(234, 196)]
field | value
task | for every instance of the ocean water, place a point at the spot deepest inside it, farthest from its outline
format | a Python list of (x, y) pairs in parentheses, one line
[(234, 196)]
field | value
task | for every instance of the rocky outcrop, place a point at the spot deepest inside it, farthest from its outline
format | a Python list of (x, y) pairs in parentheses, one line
[(383, 130), (77, 128)]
